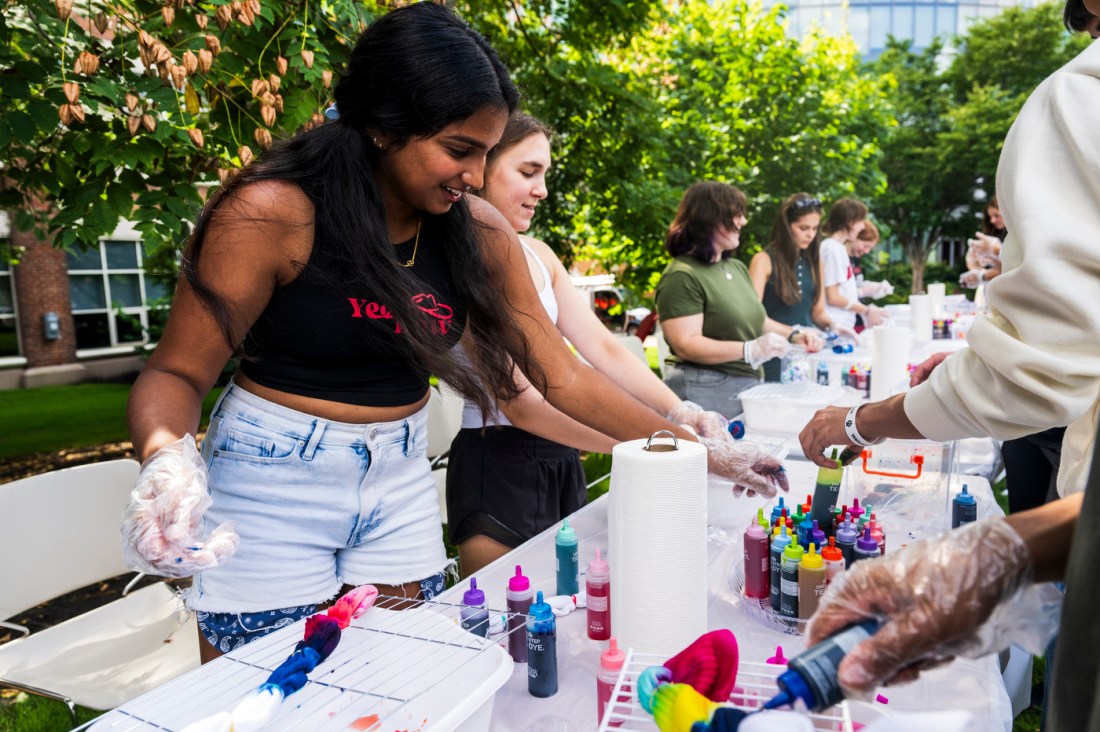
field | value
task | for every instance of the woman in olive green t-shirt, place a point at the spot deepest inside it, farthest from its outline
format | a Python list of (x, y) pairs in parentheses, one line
[(712, 319)]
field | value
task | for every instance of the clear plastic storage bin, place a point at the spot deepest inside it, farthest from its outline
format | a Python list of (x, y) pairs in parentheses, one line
[(785, 408), (906, 483)]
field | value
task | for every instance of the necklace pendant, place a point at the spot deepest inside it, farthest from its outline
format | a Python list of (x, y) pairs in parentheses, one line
[(409, 263)]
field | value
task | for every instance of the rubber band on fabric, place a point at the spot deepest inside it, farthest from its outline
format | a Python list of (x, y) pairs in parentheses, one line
[(322, 635)]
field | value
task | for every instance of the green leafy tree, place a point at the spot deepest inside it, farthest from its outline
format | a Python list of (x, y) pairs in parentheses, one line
[(123, 109), (941, 158)]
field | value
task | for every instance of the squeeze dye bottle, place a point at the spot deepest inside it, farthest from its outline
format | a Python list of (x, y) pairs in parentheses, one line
[(856, 510), (846, 542), (777, 509), (826, 492), (866, 546), (568, 562), (519, 604), (597, 585), (834, 560), (811, 582), (474, 617), (542, 650), (779, 542), (811, 675), (757, 571), (606, 675), (964, 509), (788, 580)]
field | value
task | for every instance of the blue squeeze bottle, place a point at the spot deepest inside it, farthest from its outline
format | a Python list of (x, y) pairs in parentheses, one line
[(567, 558), (777, 509), (811, 675), (542, 650), (964, 509), (775, 561), (474, 616)]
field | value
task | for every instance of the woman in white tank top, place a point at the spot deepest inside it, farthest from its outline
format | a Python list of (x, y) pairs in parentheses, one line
[(522, 473)]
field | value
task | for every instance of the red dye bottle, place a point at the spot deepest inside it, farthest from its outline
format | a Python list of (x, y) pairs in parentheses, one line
[(597, 587)]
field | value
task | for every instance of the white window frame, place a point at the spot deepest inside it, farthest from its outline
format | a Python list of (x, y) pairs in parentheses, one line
[(7, 279)]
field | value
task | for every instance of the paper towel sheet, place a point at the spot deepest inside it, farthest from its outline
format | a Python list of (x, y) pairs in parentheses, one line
[(920, 308), (890, 361)]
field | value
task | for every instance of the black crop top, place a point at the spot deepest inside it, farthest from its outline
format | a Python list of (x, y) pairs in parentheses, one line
[(316, 341)]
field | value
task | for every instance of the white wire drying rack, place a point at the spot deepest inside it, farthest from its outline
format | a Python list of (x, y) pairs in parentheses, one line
[(404, 664), (755, 685)]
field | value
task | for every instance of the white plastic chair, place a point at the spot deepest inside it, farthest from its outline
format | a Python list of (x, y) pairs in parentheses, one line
[(444, 421), (60, 532)]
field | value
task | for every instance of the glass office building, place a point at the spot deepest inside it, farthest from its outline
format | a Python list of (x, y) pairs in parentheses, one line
[(871, 21)]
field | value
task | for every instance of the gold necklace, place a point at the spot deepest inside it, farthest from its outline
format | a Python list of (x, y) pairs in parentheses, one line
[(412, 259)]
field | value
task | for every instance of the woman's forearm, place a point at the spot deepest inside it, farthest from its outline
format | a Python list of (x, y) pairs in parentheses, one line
[(1048, 532)]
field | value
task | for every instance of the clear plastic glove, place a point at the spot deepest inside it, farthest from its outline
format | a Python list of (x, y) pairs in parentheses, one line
[(933, 598), (160, 528), (875, 316), (844, 332), (699, 420), (748, 465), (876, 290), (810, 340), (972, 278), (765, 348)]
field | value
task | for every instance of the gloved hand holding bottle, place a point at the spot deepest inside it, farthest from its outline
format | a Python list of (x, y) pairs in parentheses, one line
[(702, 422), (765, 348), (747, 465)]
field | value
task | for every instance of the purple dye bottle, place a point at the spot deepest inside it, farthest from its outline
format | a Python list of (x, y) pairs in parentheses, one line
[(519, 604)]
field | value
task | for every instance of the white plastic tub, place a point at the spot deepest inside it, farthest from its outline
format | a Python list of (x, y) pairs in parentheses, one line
[(784, 409)]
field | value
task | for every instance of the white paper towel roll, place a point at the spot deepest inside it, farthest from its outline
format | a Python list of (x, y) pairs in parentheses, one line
[(936, 292), (889, 361), (920, 309), (657, 539)]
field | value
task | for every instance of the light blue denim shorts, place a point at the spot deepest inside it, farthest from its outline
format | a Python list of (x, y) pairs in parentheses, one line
[(318, 504)]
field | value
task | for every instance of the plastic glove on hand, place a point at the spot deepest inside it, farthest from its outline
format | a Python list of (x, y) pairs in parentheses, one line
[(971, 278), (161, 526), (701, 422), (933, 596), (748, 465), (875, 316), (765, 348)]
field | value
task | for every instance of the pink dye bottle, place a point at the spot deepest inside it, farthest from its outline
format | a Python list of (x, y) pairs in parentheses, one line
[(597, 587), (519, 605), (610, 662), (757, 572)]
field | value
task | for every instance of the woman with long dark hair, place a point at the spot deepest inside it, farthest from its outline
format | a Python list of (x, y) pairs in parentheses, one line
[(786, 274), (345, 264)]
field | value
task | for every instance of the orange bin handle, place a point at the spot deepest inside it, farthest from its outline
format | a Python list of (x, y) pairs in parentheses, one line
[(917, 460)]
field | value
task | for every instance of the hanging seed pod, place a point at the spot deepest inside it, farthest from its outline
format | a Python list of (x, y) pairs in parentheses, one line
[(65, 114), (77, 112), (169, 14), (133, 123), (263, 137), (326, 78), (146, 40), (245, 154), (64, 8), (281, 65), (149, 122), (213, 44), (132, 102), (259, 86), (274, 82), (78, 65), (201, 20), (179, 76), (164, 70), (224, 16), (267, 114), (278, 103), (101, 22), (307, 56), (254, 5), (146, 60), (196, 136), (72, 91), (267, 98), (223, 176), (206, 60), (89, 62), (246, 16), (190, 62)]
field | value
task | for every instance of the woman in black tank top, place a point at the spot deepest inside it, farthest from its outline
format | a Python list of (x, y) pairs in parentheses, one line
[(293, 264)]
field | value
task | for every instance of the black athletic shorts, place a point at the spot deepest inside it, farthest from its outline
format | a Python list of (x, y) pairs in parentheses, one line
[(509, 484)]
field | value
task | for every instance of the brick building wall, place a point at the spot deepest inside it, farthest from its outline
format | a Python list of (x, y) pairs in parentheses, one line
[(42, 286)]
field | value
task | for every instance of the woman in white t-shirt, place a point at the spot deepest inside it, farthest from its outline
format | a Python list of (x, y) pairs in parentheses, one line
[(847, 218)]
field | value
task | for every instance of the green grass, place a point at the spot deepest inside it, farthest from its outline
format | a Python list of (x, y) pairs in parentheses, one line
[(55, 418), (29, 713)]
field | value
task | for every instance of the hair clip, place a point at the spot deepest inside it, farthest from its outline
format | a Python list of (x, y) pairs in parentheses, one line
[(332, 112)]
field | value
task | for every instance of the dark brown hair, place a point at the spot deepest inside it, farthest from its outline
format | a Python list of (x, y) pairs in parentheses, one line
[(520, 126), (785, 254), (987, 223), (843, 214), (870, 232), (706, 207)]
